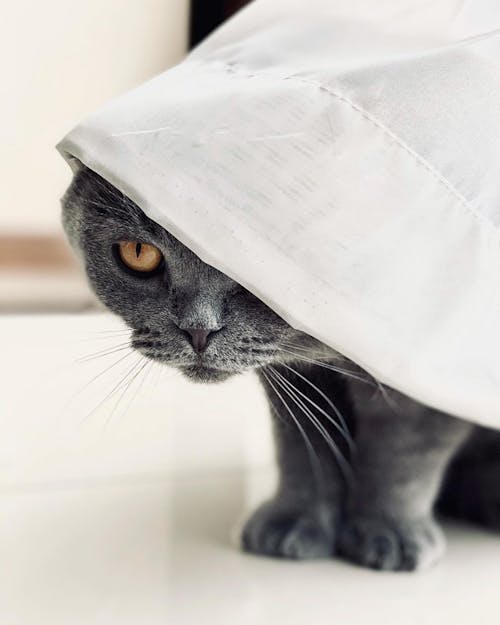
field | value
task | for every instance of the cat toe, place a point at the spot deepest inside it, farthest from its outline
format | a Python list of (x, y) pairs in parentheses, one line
[(284, 532), (391, 546)]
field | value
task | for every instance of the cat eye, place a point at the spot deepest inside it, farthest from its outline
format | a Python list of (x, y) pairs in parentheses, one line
[(142, 258)]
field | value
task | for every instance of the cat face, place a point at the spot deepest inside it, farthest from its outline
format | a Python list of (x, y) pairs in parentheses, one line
[(182, 312)]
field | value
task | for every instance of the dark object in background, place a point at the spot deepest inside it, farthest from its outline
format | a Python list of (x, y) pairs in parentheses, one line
[(206, 15)]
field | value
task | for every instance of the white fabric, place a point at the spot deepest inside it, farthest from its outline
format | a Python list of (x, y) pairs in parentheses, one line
[(341, 160)]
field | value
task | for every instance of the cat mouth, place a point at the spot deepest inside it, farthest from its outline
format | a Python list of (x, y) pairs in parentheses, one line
[(203, 373)]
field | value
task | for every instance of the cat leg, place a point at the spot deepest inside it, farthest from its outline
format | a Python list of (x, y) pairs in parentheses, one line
[(300, 520), (402, 451), (471, 489)]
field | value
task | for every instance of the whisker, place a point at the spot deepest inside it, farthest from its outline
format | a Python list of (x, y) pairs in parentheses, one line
[(337, 412), (81, 390), (369, 380), (347, 373), (105, 352), (302, 348), (105, 335), (339, 457), (122, 328), (127, 385), (326, 365), (388, 399), (141, 383), (313, 456), (107, 369), (115, 388), (340, 427)]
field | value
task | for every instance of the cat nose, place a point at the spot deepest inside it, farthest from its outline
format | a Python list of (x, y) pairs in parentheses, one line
[(199, 337)]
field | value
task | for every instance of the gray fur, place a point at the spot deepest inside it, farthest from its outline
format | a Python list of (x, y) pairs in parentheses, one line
[(371, 500)]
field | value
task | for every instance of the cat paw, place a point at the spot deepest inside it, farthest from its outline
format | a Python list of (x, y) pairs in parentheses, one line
[(391, 546), (280, 530)]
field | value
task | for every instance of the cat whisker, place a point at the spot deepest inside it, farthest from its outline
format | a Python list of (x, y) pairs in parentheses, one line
[(130, 378), (123, 328), (337, 412), (96, 377), (369, 380), (303, 348), (115, 388), (308, 351), (392, 405), (339, 457), (330, 367), (105, 352), (341, 427), (142, 382), (106, 335), (313, 456)]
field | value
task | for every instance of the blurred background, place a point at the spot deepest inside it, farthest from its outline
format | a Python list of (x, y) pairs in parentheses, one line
[(84, 54)]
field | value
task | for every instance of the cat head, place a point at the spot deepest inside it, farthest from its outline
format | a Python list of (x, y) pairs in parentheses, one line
[(182, 312)]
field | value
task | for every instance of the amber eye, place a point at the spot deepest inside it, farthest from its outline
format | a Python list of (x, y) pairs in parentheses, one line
[(141, 257)]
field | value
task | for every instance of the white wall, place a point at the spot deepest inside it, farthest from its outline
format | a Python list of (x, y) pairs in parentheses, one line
[(59, 60)]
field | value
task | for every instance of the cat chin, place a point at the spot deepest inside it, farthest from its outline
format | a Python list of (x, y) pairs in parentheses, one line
[(204, 375)]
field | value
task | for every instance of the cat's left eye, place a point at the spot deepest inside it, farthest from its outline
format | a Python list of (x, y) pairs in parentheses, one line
[(143, 258)]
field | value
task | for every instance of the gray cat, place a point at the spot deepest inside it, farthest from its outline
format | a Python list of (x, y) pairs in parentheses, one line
[(361, 466)]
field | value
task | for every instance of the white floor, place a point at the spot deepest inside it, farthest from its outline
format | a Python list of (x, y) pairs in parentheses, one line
[(126, 512)]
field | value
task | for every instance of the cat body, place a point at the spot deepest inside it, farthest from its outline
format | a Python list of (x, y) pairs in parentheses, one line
[(361, 467)]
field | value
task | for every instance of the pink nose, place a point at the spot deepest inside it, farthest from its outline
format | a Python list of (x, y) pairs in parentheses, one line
[(199, 337)]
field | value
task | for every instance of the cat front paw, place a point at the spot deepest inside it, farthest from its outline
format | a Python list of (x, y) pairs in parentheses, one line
[(282, 530), (391, 545)]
